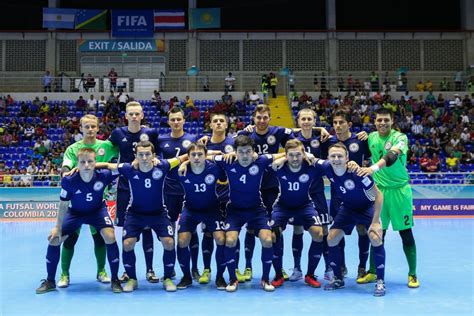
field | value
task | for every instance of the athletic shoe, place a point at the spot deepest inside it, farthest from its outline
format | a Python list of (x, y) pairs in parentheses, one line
[(334, 284), (116, 286), (205, 277), (278, 281), (196, 275), (221, 283), (130, 286), (232, 286), (328, 275), (361, 273), (240, 276), (368, 278), (379, 288), (46, 286), (184, 283), (285, 275), (63, 280), (168, 285), (344, 271), (267, 286), (296, 275), (151, 276), (413, 282), (248, 274), (102, 277), (124, 278), (312, 281), (173, 276)]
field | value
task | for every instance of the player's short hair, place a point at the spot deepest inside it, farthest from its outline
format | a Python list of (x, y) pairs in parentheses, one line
[(145, 144), (197, 146), (306, 110), (243, 140), (262, 108), (222, 114), (133, 103), (175, 109), (89, 117), (344, 114), (85, 151), (339, 145), (293, 143), (384, 111)]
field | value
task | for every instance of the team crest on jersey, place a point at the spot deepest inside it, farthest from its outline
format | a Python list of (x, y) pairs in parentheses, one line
[(354, 147), (388, 145), (228, 148), (253, 170), (291, 220), (144, 137), (157, 174), (315, 143), (303, 178), (271, 140), (349, 184), (101, 152), (209, 179), (98, 185), (271, 223), (186, 143)]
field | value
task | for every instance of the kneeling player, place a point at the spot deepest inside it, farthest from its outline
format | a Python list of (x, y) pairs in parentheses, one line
[(82, 203), (361, 205)]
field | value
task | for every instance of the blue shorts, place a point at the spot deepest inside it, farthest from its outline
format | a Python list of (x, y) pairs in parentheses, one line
[(305, 216), (211, 222), (321, 206), (255, 218), (123, 199), (269, 197), (98, 219), (174, 204), (347, 218), (136, 223)]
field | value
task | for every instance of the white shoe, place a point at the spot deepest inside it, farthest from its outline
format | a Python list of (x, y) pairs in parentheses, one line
[(267, 286), (296, 275), (232, 286), (328, 275), (63, 281), (130, 286), (102, 277), (168, 285)]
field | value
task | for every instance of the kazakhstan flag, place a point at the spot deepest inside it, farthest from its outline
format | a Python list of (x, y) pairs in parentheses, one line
[(92, 19), (204, 18)]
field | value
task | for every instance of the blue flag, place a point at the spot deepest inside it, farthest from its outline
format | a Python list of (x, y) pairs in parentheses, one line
[(204, 18), (91, 19), (54, 18)]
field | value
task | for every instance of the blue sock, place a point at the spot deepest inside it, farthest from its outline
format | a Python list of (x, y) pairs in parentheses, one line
[(229, 255), (194, 249), (147, 243), (314, 255), (207, 249), (114, 259), (129, 261), (52, 260), (267, 255), (326, 252), (249, 243), (297, 246), (237, 253), (342, 247), (335, 261), (169, 258), (183, 258), (220, 260), (364, 244), (277, 257), (379, 258)]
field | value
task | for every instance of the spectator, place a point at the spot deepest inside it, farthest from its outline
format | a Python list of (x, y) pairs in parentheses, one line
[(81, 104), (77, 136), (32, 169), (458, 81), (420, 86), (291, 80), (112, 75), (89, 83), (229, 82), (273, 84), (47, 81), (102, 104), (429, 86), (205, 84), (465, 136), (265, 85), (92, 104), (316, 83), (46, 142), (26, 178), (452, 163), (254, 98), (402, 82), (444, 85), (122, 101), (350, 84), (417, 129), (323, 82), (374, 81)]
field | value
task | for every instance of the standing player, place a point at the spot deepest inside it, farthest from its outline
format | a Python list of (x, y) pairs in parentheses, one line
[(389, 150), (361, 203), (171, 146), (105, 151), (294, 204), (146, 210), (201, 206), (82, 203), (126, 138), (245, 206)]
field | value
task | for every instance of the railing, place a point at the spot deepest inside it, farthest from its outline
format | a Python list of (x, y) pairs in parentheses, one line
[(27, 180)]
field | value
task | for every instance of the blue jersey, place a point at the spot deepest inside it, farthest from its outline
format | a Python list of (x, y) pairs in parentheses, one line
[(126, 142), (170, 147), (146, 188), (270, 144), (357, 193), (295, 186), (200, 189), (358, 149), (85, 197), (245, 182), (225, 146), (313, 146)]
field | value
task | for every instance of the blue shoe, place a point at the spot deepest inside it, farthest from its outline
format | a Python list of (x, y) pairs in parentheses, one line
[(379, 288), (334, 284)]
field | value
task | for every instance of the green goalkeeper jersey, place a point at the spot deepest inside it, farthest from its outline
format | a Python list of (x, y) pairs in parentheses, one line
[(396, 175), (105, 151)]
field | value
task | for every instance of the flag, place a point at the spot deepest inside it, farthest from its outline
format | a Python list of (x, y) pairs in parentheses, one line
[(169, 19), (94, 19), (54, 18), (205, 18)]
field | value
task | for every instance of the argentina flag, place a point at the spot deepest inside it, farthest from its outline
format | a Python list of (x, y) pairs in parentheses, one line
[(55, 18)]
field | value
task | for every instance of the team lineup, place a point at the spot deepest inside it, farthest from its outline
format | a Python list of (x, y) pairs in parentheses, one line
[(171, 183)]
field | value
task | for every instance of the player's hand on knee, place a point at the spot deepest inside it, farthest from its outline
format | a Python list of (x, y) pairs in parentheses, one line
[(71, 172), (55, 236), (362, 135), (375, 233)]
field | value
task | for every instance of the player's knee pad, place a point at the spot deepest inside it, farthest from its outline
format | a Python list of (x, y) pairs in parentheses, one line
[(407, 237), (71, 241), (98, 240)]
